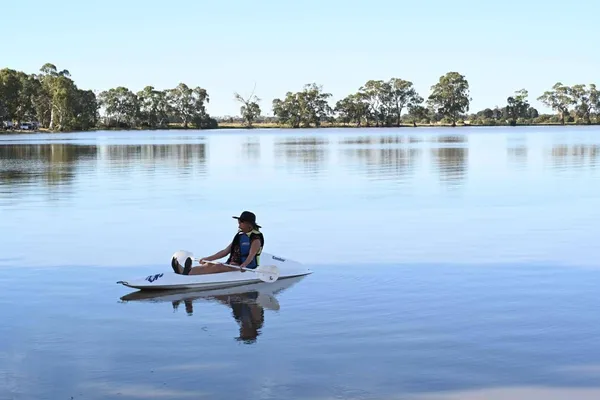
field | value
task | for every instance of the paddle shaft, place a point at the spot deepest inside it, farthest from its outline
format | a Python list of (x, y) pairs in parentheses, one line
[(228, 265), (266, 273)]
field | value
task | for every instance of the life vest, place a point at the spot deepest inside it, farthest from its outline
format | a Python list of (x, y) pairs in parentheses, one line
[(240, 248)]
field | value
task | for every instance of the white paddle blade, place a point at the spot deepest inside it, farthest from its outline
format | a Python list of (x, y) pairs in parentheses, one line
[(267, 301), (267, 273)]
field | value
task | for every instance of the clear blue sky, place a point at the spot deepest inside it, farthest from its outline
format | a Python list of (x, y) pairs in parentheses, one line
[(226, 46)]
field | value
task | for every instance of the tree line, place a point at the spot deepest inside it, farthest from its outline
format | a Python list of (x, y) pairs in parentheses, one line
[(52, 99), (395, 102)]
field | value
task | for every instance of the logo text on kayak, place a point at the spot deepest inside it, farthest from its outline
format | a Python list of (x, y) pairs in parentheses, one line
[(152, 278)]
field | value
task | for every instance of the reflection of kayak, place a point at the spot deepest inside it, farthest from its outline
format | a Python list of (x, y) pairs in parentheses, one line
[(171, 280), (247, 303), (262, 293)]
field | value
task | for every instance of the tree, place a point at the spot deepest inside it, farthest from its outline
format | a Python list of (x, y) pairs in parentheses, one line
[(59, 103), (313, 102), (250, 110), (517, 106), (287, 110), (595, 101), (352, 108), (402, 94), (188, 104), (154, 107), (417, 112), (85, 110), (450, 96), (558, 99), (120, 104), (376, 94), (303, 108), (582, 98), (30, 97), (10, 88)]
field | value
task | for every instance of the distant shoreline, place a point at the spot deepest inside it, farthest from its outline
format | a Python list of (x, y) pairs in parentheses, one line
[(271, 125), (238, 125), (50, 101)]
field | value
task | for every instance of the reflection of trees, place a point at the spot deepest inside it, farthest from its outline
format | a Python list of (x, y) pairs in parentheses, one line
[(309, 153), (251, 148), (450, 161), (377, 140), (184, 156), (374, 139), (451, 164), (386, 163), (24, 166), (185, 153), (579, 155), (52, 164), (449, 139), (517, 155)]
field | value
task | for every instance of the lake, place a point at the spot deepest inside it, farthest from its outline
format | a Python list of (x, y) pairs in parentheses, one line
[(449, 263)]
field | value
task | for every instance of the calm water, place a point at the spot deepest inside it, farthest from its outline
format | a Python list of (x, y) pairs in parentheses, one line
[(449, 264)]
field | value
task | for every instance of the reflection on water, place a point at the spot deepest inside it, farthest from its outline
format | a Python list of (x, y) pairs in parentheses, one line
[(509, 183), (517, 393), (180, 157), (449, 139), (576, 155), (451, 164), (50, 153), (306, 155), (384, 163), (376, 156), (24, 166), (247, 303), (417, 292), (50, 164), (517, 156), (481, 331), (251, 148), (380, 139)]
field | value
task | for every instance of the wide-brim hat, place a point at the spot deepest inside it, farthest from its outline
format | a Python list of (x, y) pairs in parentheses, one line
[(248, 216)]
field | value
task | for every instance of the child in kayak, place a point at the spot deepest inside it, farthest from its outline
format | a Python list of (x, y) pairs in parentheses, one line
[(244, 250)]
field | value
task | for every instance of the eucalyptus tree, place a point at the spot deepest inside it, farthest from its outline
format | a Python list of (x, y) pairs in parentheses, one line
[(450, 96), (559, 99)]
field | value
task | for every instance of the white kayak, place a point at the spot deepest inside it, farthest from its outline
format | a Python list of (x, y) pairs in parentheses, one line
[(278, 267)]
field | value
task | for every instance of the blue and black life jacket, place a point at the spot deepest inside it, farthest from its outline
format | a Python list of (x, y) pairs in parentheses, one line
[(240, 248)]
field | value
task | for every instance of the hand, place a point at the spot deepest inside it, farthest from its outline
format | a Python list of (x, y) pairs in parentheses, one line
[(242, 268)]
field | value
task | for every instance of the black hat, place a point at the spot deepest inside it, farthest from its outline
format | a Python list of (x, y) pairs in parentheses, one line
[(248, 216)]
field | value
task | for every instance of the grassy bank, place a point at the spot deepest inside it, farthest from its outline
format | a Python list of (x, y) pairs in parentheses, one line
[(273, 125), (266, 125)]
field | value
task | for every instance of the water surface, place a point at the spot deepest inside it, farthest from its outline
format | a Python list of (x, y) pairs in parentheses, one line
[(449, 263)]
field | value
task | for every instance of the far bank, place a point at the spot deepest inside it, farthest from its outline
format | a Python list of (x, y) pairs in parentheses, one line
[(271, 125)]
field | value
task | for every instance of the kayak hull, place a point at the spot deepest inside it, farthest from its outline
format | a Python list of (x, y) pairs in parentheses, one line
[(169, 280), (182, 294)]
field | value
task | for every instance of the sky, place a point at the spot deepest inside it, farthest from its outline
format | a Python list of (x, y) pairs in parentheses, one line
[(279, 46)]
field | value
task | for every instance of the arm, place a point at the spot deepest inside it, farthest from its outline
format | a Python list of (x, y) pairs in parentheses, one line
[(254, 247), (218, 255)]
